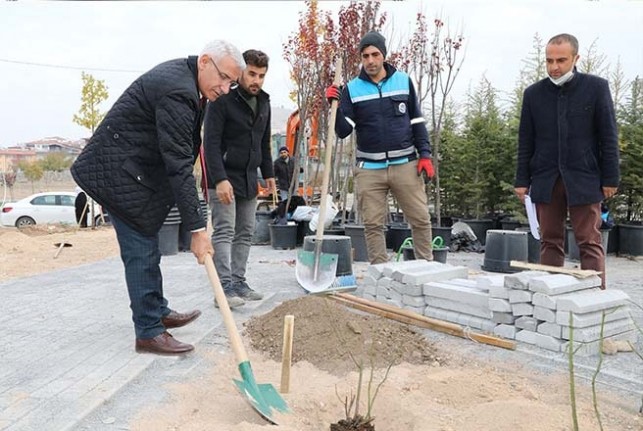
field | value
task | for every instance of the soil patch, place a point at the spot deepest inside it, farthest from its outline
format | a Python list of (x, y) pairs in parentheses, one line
[(326, 334)]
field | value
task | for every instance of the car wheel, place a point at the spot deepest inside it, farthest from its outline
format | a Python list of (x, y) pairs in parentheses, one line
[(25, 221)]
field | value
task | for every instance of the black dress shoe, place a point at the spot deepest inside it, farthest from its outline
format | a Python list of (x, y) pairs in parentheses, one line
[(176, 320), (162, 344)]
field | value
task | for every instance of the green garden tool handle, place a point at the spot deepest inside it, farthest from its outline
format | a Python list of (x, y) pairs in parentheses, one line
[(438, 242), (407, 241)]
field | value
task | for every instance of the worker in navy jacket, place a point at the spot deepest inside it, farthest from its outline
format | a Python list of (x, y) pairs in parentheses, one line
[(392, 147), (568, 155)]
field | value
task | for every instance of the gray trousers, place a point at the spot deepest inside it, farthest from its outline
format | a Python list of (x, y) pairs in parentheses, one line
[(233, 226)]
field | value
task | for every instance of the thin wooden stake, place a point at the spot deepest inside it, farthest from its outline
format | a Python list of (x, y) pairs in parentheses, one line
[(286, 355)]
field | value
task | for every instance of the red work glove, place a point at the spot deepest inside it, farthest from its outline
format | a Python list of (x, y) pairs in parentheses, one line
[(333, 93), (426, 165)]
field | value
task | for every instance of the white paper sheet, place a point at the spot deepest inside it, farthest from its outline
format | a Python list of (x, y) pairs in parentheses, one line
[(533, 218)]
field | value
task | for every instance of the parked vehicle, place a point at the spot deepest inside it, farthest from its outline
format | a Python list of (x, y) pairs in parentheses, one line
[(43, 208)]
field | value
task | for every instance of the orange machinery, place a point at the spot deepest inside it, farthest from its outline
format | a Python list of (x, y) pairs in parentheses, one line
[(293, 128)]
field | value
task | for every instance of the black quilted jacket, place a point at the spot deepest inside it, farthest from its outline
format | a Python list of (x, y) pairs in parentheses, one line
[(139, 161)]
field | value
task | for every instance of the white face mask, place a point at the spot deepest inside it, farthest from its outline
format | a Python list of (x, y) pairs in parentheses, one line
[(564, 78)]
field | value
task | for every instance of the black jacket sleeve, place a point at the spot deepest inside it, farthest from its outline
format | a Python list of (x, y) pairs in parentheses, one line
[(214, 124)]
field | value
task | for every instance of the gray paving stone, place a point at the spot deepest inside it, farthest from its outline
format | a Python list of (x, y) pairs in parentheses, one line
[(592, 333), (543, 341), (592, 301), (370, 290), (438, 274), (410, 289), (517, 296), (486, 281), (458, 307), (505, 331), (459, 293), (590, 319), (592, 348), (520, 280), (522, 309), (413, 301), (419, 310), (368, 280), (506, 318), (526, 322), (551, 329), (383, 292), (396, 270), (463, 319), (499, 292), (544, 314), (384, 282), (499, 305), (556, 284)]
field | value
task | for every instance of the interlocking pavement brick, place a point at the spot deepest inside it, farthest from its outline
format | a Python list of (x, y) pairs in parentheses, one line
[(413, 301)]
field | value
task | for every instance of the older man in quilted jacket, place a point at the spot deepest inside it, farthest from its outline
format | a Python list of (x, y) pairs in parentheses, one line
[(139, 163)]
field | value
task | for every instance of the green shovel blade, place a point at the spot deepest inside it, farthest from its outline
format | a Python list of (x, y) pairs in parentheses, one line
[(263, 397)]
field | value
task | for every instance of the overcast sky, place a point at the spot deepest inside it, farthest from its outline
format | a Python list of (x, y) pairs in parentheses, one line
[(38, 101)]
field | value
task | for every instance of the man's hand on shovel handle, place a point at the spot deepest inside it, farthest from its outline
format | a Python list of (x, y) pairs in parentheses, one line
[(201, 246)]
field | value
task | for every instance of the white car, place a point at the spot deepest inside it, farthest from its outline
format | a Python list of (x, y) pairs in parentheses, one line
[(42, 208)]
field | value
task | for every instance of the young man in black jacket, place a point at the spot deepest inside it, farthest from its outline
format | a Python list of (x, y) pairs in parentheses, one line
[(139, 163), (237, 142)]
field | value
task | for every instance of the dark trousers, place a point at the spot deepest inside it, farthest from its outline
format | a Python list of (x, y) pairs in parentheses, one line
[(586, 222), (142, 258)]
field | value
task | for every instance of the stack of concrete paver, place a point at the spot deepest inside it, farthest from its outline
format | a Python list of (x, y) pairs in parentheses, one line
[(532, 307)]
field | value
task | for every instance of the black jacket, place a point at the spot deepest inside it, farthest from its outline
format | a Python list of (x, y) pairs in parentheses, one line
[(568, 131), (236, 142), (139, 161), (284, 172)]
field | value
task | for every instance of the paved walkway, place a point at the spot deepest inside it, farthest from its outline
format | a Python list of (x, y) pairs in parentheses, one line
[(67, 337)]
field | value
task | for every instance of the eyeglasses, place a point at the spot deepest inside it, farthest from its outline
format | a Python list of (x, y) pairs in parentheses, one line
[(233, 84)]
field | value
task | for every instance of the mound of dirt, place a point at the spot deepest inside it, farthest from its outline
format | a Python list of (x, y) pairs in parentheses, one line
[(326, 334)]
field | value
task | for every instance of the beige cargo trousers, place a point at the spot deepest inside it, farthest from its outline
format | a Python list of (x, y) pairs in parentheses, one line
[(407, 187)]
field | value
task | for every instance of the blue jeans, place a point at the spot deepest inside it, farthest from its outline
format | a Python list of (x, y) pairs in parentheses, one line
[(142, 258), (233, 226)]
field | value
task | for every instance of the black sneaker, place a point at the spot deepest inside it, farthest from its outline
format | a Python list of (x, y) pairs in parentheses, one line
[(245, 292), (233, 298)]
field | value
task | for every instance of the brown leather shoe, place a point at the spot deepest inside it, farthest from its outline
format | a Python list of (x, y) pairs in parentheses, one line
[(163, 344), (176, 320)]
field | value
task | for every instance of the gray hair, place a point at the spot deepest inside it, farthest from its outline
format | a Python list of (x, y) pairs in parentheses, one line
[(564, 37), (217, 49)]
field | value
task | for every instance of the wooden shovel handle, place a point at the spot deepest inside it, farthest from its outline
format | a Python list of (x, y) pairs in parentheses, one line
[(235, 339), (330, 140)]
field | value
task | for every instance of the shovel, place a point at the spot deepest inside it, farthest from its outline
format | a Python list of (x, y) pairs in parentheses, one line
[(315, 271), (60, 246), (264, 398)]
